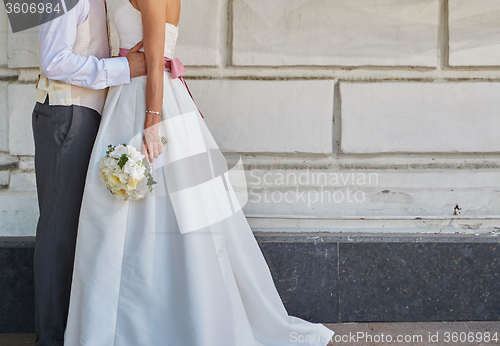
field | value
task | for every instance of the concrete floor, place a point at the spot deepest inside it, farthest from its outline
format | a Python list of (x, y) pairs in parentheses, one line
[(416, 333)]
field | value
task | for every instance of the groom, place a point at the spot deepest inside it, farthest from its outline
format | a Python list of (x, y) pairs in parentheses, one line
[(71, 90)]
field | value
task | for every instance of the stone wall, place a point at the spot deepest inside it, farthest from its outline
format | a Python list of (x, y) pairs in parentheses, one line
[(402, 91)]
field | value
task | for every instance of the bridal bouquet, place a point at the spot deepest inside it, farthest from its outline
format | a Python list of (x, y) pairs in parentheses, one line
[(126, 173)]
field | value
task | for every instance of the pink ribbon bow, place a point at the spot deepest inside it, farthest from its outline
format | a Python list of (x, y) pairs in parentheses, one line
[(175, 68)]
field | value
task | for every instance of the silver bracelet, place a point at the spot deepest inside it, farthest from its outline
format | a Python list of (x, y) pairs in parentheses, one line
[(153, 112)]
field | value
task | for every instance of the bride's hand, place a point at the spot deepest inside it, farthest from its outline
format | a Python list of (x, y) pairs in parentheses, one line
[(151, 147)]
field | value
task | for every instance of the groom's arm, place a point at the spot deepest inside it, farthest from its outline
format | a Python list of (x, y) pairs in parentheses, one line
[(56, 40)]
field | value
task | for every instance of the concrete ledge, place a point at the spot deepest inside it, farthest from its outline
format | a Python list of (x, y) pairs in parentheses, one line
[(19, 214)]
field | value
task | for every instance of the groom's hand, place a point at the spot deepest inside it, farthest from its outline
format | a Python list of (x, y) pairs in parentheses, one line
[(136, 61)]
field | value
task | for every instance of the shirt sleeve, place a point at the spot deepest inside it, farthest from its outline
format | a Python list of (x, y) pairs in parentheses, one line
[(56, 39)]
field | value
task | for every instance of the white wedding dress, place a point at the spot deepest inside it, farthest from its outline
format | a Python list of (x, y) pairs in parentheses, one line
[(174, 268)]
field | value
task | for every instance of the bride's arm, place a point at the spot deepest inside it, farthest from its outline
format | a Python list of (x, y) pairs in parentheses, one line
[(154, 13)]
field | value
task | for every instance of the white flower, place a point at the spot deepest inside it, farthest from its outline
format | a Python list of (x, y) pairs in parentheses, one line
[(136, 155), (119, 151), (128, 182)]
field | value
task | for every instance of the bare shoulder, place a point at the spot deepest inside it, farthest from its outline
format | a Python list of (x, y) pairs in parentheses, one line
[(143, 5), (169, 3), (172, 8)]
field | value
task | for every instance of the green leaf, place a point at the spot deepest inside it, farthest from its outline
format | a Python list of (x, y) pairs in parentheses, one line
[(110, 149), (455, 261), (148, 175), (123, 160), (151, 181), (148, 167)]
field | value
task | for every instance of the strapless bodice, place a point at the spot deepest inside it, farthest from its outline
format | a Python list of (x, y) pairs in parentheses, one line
[(128, 23)]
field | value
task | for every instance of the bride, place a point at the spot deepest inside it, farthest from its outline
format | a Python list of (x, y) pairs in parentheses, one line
[(180, 267)]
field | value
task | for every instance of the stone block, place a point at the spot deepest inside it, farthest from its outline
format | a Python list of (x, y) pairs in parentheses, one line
[(22, 99), (420, 117), (4, 116), (340, 32), (474, 33), (19, 213), (268, 116), (23, 48), (4, 178), (22, 181)]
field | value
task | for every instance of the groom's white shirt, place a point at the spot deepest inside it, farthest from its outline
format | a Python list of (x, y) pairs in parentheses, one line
[(74, 54)]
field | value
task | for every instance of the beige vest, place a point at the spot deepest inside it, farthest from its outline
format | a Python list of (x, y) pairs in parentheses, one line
[(91, 39)]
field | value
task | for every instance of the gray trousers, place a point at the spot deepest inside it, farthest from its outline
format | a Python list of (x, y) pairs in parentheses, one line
[(64, 137)]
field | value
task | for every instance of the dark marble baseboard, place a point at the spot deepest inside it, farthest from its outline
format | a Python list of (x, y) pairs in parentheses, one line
[(16, 289), (419, 282), (334, 278)]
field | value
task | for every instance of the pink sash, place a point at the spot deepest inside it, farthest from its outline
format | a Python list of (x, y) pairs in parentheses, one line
[(174, 66)]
